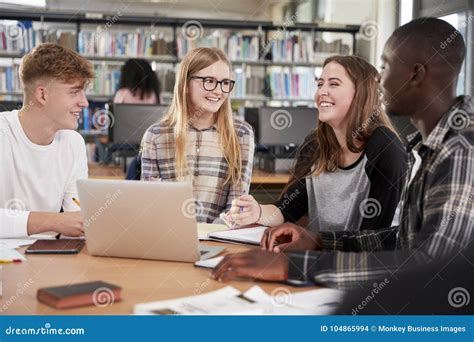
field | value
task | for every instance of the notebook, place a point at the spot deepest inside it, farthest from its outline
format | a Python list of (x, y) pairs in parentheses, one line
[(251, 236)]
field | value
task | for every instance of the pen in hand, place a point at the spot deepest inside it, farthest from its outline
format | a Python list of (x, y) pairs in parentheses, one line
[(241, 208)]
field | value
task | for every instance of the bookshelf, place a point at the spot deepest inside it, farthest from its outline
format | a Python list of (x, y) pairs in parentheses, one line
[(272, 63)]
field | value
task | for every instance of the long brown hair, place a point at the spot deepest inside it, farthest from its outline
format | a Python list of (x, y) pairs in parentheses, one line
[(321, 149), (180, 118)]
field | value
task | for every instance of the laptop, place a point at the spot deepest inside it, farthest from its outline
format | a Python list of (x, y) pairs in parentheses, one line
[(142, 220)]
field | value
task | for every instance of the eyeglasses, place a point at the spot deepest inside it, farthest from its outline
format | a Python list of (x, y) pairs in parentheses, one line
[(210, 83)]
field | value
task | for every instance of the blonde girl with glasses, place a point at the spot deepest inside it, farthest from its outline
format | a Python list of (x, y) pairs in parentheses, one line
[(199, 140)]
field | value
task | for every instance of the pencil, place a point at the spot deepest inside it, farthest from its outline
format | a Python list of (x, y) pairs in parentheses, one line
[(75, 200)]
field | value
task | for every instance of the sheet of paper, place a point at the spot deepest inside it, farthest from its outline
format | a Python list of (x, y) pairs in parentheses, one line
[(204, 229), (7, 255), (15, 243), (311, 302), (318, 297), (209, 263), (225, 301), (251, 235), (230, 301)]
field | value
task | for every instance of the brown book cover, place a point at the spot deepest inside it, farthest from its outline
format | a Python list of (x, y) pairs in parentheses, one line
[(96, 293)]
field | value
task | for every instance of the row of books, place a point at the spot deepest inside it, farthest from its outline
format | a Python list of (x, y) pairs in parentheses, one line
[(302, 48), (9, 79), (290, 83), (283, 82), (236, 45), (139, 43), (107, 79), (105, 83), (85, 121), (249, 81), (299, 47), (20, 37)]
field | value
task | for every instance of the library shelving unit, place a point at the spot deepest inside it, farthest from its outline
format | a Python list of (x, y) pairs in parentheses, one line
[(273, 65)]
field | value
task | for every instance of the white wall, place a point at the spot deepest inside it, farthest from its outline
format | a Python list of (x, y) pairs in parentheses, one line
[(380, 16)]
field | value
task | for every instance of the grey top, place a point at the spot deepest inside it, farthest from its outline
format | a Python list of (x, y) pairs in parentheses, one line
[(363, 195), (334, 198)]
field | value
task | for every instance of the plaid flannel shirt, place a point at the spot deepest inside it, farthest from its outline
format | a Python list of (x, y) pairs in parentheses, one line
[(208, 168), (436, 218)]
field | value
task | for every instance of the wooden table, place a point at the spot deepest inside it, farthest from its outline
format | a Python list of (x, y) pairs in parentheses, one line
[(141, 281), (105, 171), (259, 177)]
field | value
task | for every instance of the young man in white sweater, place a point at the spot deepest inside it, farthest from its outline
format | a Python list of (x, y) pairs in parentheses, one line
[(41, 155)]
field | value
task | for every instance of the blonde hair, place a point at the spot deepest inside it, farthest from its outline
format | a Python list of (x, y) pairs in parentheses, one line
[(179, 118)]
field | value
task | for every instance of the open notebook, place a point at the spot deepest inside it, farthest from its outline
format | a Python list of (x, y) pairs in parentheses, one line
[(252, 235)]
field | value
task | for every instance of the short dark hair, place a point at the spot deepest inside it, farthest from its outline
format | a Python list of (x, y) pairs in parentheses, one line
[(138, 76), (436, 37)]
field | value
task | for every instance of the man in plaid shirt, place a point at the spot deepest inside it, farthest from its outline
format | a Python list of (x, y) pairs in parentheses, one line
[(421, 63)]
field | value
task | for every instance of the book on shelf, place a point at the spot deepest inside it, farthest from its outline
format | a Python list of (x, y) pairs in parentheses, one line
[(166, 78), (9, 77), (249, 81), (237, 46), (19, 37), (292, 83), (106, 79), (301, 47), (137, 43)]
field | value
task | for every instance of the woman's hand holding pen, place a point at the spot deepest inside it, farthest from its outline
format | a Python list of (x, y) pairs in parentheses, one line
[(245, 210)]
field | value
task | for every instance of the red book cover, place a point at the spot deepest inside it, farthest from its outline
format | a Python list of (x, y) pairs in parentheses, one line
[(96, 293)]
